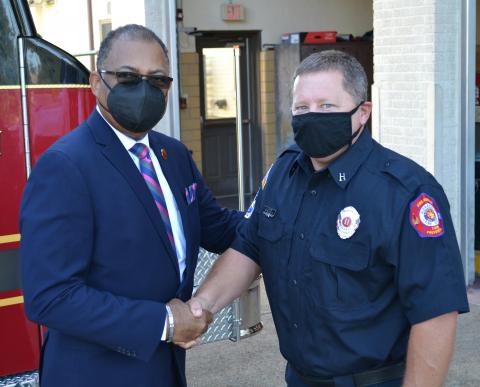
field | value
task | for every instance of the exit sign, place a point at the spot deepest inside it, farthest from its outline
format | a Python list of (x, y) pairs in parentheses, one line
[(233, 12)]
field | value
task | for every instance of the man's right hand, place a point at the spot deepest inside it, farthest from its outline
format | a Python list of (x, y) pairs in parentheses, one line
[(229, 277), (188, 327)]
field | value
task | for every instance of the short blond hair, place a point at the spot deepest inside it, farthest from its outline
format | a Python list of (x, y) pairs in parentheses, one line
[(354, 77)]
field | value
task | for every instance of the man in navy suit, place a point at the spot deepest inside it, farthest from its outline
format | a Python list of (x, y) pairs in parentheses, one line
[(111, 220)]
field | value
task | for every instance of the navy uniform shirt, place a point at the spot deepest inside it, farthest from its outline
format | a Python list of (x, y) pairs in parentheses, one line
[(352, 256)]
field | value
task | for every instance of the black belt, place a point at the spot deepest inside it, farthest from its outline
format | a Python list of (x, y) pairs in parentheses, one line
[(361, 379)]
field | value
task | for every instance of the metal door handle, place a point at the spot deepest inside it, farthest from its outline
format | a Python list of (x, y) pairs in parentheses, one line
[(1, 131)]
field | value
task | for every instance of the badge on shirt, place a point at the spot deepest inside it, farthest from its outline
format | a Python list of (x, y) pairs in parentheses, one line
[(191, 193), (348, 221), (425, 217)]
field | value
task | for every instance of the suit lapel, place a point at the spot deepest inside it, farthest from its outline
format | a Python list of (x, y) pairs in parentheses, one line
[(114, 151), (171, 171)]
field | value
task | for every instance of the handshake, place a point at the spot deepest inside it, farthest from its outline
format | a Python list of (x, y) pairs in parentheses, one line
[(191, 320)]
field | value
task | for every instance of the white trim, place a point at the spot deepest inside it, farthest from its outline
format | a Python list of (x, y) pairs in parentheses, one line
[(467, 153), (376, 113), (174, 96), (26, 125)]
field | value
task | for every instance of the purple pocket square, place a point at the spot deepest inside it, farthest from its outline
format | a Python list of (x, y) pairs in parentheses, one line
[(191, 193)]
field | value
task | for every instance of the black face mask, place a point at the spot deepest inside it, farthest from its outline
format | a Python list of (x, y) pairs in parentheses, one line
[(322, 134), (137, 107)]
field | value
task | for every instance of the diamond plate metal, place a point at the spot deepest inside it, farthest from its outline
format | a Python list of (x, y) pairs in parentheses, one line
[(204, 264), (21, 380), (223, 325)]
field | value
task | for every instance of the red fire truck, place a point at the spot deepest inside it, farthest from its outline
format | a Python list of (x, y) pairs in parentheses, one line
[(44, 93)]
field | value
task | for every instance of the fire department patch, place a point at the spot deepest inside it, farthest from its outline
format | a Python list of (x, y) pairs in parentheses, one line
[(425, 217)]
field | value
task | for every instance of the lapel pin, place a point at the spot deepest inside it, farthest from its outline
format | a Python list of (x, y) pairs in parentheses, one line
[(164, 153)]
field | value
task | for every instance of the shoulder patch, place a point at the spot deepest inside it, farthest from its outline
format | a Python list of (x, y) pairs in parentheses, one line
[(425, 217)]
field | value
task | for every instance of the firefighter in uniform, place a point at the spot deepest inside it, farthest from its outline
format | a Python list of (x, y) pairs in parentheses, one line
[(356, 245)]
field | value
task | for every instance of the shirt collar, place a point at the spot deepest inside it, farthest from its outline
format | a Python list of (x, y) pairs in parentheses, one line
[(302, 161), (126, 141), (346, 166)]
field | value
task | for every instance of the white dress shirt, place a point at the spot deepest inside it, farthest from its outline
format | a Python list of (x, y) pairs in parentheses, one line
[(172, 208)]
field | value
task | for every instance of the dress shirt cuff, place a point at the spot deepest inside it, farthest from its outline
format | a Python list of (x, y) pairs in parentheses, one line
[(164, 334)]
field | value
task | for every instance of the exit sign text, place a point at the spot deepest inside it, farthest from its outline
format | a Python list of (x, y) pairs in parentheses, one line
[(233, 12)]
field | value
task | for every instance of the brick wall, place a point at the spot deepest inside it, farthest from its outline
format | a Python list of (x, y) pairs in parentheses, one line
[(190, 132), (267, 98), (417, 86)]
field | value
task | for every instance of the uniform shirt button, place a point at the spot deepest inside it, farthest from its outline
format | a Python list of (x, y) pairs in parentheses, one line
[(295, 325), (313, 192), (294, 282), (387, 164), (302, 236)]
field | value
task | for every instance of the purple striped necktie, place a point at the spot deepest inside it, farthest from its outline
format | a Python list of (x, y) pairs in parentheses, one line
[(148, 172)]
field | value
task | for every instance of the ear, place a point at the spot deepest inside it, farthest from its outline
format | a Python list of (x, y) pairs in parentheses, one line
[(365, 111), (95, 83)]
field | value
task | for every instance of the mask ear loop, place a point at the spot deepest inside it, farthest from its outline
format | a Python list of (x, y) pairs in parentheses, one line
[(355, 134), (105, 82), (109, 89)]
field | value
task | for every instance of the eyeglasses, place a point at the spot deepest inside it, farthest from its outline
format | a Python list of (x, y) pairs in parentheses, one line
[(130, 78)]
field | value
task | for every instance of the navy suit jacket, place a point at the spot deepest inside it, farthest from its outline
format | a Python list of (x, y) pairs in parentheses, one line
[(97, 266)]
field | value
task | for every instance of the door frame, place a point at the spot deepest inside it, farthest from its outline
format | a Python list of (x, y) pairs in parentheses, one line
[(205, 39)]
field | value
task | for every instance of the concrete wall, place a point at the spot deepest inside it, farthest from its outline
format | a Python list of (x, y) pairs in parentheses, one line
[(275, 17), (417, 87)]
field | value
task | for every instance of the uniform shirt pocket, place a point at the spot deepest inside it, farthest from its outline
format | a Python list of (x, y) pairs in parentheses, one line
[(339, 271), (274, 247), (271, 229), (351, 255)]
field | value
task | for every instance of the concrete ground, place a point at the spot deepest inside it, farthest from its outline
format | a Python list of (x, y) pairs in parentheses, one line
[(256, 361)]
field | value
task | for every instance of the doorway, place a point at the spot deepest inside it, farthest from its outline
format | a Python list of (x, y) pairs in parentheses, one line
[(218, 112)]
